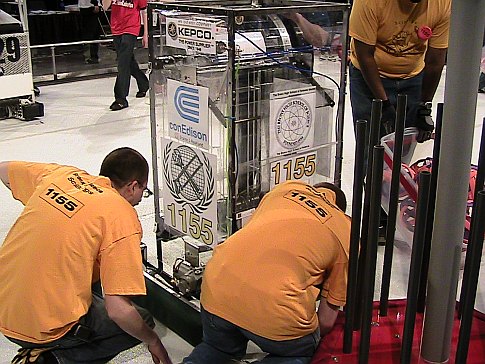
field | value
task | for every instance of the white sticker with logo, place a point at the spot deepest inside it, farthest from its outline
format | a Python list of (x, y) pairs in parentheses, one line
[(292, 120), (189, 191), (195, 36), (188, 113)]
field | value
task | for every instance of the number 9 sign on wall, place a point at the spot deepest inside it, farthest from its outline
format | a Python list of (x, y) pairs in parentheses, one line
[(15, 70), (189, 191)]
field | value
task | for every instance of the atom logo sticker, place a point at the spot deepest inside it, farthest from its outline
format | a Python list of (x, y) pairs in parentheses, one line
[(188, 177), (293, 122)]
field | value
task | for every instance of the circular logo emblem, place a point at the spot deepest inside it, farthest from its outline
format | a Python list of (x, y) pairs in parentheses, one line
[(172, 30), (293, 123), (188, 177), (187, 173)]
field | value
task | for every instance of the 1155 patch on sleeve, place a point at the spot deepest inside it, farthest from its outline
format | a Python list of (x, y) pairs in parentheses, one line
[(61, 201), (310, 203)]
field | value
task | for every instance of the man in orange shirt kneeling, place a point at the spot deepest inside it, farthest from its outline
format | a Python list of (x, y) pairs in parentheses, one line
[(263, 282)]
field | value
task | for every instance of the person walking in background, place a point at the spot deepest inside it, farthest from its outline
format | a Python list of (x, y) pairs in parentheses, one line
[(125, 26), (90, 28), (76, 229), (397, 47), (294, 252)]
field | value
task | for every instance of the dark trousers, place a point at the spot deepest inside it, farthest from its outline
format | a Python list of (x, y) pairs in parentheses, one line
[(361, 101), (223, 341), (361, 96), (127, 67), (90, 29), (106, 341)]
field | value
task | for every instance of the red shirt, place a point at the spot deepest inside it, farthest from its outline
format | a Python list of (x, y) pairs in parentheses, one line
[(125, 16)]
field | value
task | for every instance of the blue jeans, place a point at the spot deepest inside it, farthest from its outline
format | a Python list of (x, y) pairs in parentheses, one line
[(106, 341), (127, 67), (361, 96), (223, 341)]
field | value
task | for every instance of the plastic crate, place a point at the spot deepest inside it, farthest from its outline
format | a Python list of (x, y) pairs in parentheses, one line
[(408, 189)]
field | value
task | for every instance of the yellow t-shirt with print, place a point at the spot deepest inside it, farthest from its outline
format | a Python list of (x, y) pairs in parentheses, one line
[(266, 278), (74, 228), (392, 27)]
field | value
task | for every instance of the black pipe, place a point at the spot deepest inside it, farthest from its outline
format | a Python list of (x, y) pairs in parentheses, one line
[(371, 254), (373, 139), (360, 129), (231, 127), (478, 187), (341, 100), (431, 207), (476, 240), (415, 266), (393, 202)]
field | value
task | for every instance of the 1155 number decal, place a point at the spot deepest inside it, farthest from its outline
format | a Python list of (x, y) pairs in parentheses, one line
[(294, 169), (62, 201), (191, 223)]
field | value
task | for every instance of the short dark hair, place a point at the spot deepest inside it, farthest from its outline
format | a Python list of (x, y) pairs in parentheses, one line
[(340, 199), (124, 165)]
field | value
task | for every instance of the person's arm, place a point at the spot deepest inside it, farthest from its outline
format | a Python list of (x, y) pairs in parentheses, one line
[(370, 72), (106, 4), (122, 312), (327, 315), (96, 4), (368, 67), (4, 173), (434, 60), (313, 33), (145, 28)]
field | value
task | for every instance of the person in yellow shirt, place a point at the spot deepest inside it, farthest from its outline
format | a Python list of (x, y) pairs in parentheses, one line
[(75, 229), (263, 283), (397, 47)]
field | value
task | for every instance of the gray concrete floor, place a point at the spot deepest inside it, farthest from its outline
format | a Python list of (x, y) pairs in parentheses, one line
[(79, 129)]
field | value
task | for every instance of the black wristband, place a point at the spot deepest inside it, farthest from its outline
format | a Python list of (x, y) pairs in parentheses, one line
[(386, 103)]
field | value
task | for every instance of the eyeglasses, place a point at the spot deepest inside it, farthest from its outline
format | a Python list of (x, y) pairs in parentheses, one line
[(147, 193)]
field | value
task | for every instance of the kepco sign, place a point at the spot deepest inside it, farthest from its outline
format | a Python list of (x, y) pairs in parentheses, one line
[(193, 35), (188, 118)]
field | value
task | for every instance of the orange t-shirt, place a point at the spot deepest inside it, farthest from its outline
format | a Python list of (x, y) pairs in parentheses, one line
[(266, 278), (74, 228), (399, 52)]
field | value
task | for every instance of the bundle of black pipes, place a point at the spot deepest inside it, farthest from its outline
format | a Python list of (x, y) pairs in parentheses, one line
[(365, 223), (393, 203), (366, 160), (473, 258)]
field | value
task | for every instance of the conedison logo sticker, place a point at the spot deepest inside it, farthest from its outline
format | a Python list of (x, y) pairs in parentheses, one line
[(188, 113), (186, 102)]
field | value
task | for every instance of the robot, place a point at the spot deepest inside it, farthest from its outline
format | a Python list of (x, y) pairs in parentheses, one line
[(17, 92)]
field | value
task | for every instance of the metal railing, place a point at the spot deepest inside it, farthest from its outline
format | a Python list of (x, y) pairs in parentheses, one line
[(48, 70)]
